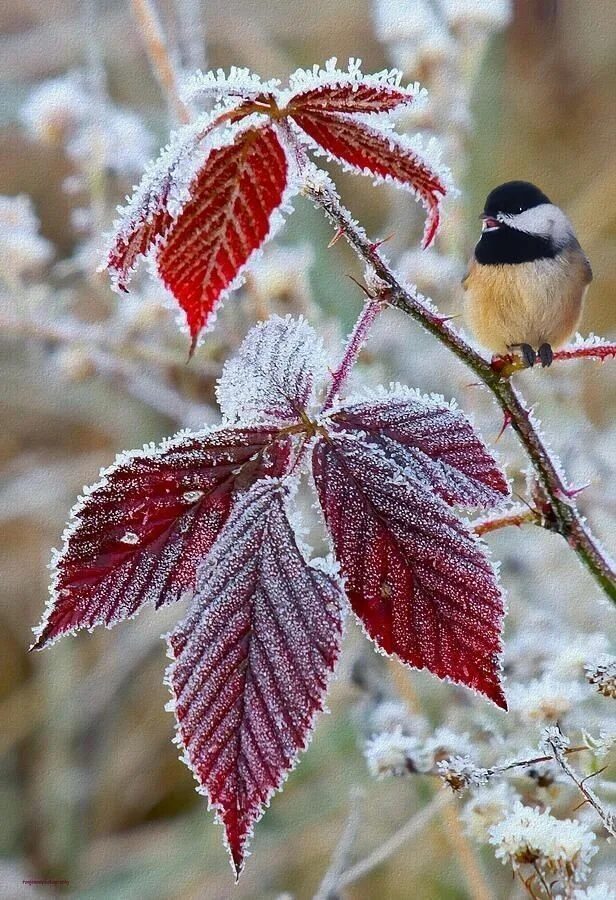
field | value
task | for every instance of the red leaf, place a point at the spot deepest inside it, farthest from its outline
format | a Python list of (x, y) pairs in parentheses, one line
[(379, 153), (432, 442), (252, 661), (418, 580), (138, 536), (228, 217), (147, 217), (350, 97)]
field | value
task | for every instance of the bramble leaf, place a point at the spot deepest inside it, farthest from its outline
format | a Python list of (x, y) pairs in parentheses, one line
[(419, 581), (252, 660), (139, 535), (228, 217), (382, 154), (432, 441), (273, 375)]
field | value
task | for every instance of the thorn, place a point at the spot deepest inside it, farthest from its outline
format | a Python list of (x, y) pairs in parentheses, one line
[(376, 244), (474, 384), (336, 238), (193, 347), (362, 287), (570, 493), (442, 320), (593, 775), (506, 424)]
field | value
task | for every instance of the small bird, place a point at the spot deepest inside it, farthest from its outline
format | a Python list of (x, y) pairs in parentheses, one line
[(528, 277)]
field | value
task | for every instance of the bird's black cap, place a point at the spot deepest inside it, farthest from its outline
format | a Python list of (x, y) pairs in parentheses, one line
[(513, 197)]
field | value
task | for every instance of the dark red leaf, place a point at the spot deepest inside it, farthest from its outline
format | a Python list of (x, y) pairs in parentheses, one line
[(139, 535), (252, 661), (228, 217), (432, 442), (350, 97), (420, 583), (382, 154)]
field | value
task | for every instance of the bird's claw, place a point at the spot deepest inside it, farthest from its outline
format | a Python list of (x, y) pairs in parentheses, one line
[(546, 355)]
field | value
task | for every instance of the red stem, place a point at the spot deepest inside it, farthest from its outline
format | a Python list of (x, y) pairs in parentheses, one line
[(356, 341)]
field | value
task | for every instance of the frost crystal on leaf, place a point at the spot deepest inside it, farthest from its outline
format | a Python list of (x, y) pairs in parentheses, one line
[(275, 372), (382, 154), (139, 535), (252, 661), (419, 582), (433, 442)]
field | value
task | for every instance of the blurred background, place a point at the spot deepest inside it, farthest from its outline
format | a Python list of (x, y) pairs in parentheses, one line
[(92, 795)]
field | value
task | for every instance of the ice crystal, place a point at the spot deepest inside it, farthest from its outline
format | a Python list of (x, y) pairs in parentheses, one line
[(602, 674), (395, 753), (561, 848)]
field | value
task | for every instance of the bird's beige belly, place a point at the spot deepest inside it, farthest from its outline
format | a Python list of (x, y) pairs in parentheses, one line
[(528, 303)]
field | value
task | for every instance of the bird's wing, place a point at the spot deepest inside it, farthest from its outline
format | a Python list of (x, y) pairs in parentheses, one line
[(469, 271)]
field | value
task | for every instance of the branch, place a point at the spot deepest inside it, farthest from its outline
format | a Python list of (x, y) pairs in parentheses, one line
[(329, 887), (557, 743), (566, 517), (590, 348), (409, 830), (355, 342), (517, 515)]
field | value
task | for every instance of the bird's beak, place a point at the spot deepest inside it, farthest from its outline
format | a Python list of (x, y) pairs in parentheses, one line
[(488, 223)]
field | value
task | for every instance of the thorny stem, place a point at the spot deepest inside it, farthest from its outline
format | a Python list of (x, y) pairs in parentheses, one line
[(158, 54), (559, 753), (355, 342), (566, 517)]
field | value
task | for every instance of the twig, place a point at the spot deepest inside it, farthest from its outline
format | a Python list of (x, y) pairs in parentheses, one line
[(329, 887), (478, 888), (158, 54), (559, 754), (600, 350), (567, 520), (409, 830), (517, 516), (356, 341)]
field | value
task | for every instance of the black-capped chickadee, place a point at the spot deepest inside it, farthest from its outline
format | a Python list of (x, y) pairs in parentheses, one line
[(526, 282)]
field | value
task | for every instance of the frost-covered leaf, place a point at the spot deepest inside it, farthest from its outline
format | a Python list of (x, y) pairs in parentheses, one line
[(352, 91), (381, 154), (252, 661), (228, 217), (139, 535), (162, 192), (273, 375), (418, 580), (432, 441)]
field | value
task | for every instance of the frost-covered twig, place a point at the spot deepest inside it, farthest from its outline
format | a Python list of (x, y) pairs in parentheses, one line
[(589, 348), (567, 519), (356, 341), (159, 57), (329, 887), (409, 830), (557, 743), (517, 516)]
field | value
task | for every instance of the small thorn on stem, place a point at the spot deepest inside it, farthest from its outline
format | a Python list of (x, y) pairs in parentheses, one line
[(339, 233), (374, 246), (507, 418), (362, 287), (570, 493)]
